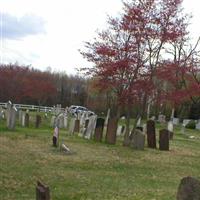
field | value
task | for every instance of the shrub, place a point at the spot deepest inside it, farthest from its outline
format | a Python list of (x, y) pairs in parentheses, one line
[(191, 125)]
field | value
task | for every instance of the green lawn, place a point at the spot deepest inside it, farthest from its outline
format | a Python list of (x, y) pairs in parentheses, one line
[(96, 171)]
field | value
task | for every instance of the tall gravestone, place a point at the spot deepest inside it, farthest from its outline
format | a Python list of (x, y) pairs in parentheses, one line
[(111, 131), (151, 134), (98, 134), (65, 122), (38, 121), (164, 140), (138, 140)]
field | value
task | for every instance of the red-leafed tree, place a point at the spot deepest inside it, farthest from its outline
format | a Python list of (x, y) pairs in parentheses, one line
[(127, 55)]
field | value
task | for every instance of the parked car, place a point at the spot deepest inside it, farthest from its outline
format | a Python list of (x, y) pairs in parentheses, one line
[(74, 110)]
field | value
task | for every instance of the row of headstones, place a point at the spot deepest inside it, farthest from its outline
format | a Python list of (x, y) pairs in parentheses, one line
[(176, 121), (93, 127), (11, 117)]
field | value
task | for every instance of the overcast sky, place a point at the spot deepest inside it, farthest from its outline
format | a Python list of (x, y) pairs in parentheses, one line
[(48, 33)]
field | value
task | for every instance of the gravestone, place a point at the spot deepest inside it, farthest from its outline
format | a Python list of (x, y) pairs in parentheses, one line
[(164, 140), (55, 136), (138, 140), (186, 121), (8, 113), (60, 121), (106, 120), (161, 118), (53, 119), (20, 116), (11, 116), (98, 134), (23, 119), (175, 121), (38, 121), (170, 126), (91, 127), (198, 125), (138, 124), (77, 126), (72, 125), (85, 127), (111, 131), (65, 122), (26, 120), (151, 134), (42, 192), (189, 189), (65, 149), (121, 130)]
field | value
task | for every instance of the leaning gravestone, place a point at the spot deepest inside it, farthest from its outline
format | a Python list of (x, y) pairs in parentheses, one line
[(138, 140), (26, 120), (38, 121), (98, 134), (151, 134), (164, 140), (55, 136), (189, 189), (42, 192), (111, 131)]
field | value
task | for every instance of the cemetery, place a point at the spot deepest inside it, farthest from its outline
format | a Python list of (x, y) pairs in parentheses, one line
[(100, 100), (83, 157)]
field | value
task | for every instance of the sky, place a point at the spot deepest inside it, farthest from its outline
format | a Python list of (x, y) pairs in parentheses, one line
[(48, 33)]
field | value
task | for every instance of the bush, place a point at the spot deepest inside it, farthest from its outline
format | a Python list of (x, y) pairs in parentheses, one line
[(191, 125)]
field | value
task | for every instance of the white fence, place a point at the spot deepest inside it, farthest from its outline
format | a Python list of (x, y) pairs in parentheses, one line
[(32, 107)]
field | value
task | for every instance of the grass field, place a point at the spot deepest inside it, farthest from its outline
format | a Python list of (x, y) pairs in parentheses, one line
[(96, 171)]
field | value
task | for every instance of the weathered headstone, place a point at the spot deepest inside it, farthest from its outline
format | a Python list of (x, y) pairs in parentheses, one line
[(42, 192), (55, 136), (91, 127), (164, 140), (98, 134), (138, 140), (72, 125), (170, 128), (151, 134), (26, 120), (111, 131), (38, 121), (189, 189)]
